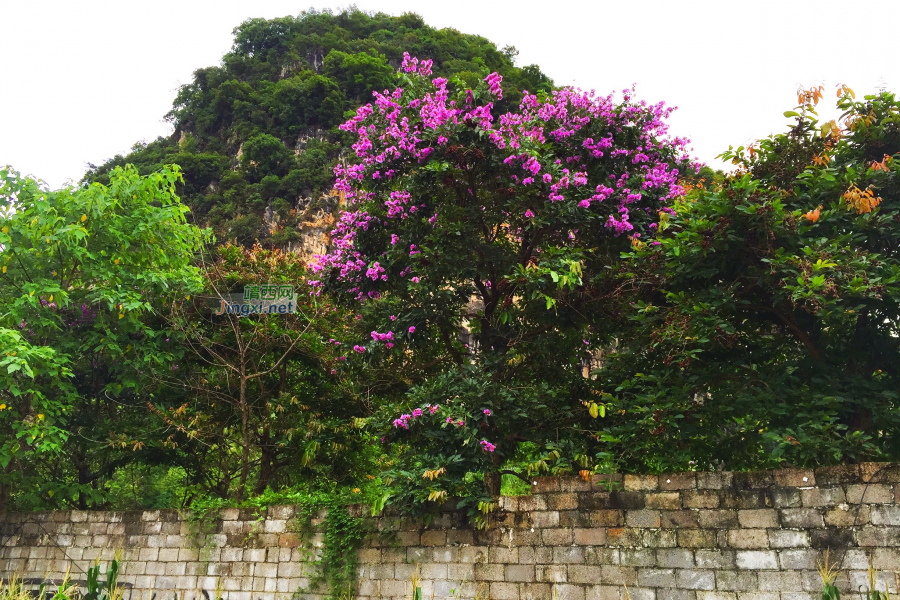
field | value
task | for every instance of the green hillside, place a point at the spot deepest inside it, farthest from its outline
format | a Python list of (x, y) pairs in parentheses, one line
[(257, 136)]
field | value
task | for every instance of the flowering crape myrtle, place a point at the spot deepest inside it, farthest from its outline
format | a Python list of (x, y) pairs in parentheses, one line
[(480, 247)]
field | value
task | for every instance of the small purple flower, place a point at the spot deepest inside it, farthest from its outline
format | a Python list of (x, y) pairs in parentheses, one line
[(393, 317), (412, 329), (487, 412), (417, 413), (359, 349), (487, 446)]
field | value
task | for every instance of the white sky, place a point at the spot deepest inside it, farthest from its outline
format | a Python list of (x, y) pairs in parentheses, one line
[(85, 80)]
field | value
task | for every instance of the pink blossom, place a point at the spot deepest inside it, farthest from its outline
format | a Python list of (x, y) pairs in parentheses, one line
[(487, 446), (529, 214), (412, 329), (487, 412)]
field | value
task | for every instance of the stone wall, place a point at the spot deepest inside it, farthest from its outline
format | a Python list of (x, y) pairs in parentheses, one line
[(686, 536)]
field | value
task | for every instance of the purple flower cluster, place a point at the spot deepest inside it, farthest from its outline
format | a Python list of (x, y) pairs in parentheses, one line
[(487, 446), (579, 130)]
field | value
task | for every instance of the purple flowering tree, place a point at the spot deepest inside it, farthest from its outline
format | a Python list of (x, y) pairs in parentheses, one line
[(481, 246)]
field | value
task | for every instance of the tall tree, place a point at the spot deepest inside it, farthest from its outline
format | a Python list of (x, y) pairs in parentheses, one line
[(505, 231), (82, 270)]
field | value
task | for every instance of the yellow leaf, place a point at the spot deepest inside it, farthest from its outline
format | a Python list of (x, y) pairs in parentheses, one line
[(6, 230), (4, 268), (121, 315), (594, 410), (83, 218)]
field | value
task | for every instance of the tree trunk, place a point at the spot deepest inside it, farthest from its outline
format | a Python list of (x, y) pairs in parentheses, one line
[(245, 439), (492, 481)]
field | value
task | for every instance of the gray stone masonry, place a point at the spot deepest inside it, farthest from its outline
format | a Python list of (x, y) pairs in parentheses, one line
[(679, 536)]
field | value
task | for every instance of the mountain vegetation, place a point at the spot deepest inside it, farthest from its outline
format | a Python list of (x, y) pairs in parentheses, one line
[(257, 137)]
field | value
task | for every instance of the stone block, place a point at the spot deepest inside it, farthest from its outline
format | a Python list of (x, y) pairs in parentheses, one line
[(675, 594), (678, 481), (626, 500), (748, 538), (736, 581), (795, 477), (447, 554), (601, 555), (565, 501), (779, 581), (870, 493), (595, 536), (520, 573), (711, 595), (675, 558), (759, 596), (798, 559), (714, 481), (640, 593), (607, 518), (714, 559), (504, 555), (600, 592), (537, 591), (433, 538), (718, 519), (695, 579), (641, 483), (847, 516), (657, 578), (818, 497), (584, 574), (458, 572), (886, 559), (542, 485), (574, 518), (642, 518), (831, 538), (837, 475), (659, 538), (489, 572), (168, 554), (532, 503), (678, 519), (663, 500), (557, 537), (788, 538), (701, 499), (785, 497), (547, 573), (395, 588), (802, 518), (756, 559), (635, 557), (623, 536), (418, 554), (885, 515), (760, 518), (473, 554), (752, 480), (697, 538), (433, 570), (545, 519), (566, 591), (568, 555)]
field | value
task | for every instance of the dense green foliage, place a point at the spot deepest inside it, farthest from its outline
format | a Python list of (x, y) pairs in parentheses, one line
[(81, 272), (766, 323), (256, 137)]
